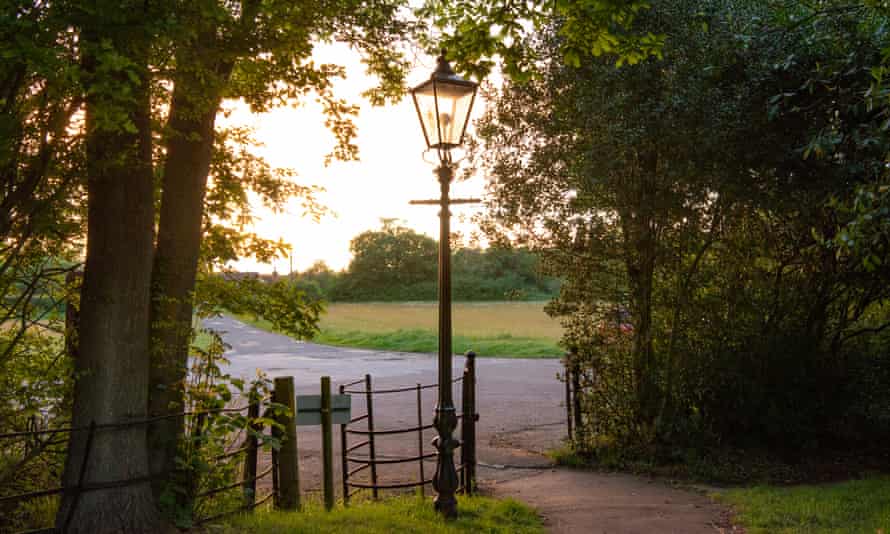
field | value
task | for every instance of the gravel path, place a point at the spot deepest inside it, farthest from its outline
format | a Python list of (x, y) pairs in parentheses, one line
[(519, 401)]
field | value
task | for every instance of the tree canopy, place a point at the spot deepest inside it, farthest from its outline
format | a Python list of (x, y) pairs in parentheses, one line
[(703, 192)]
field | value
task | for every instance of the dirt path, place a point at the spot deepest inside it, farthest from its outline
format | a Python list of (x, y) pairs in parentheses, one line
[(519, 401)]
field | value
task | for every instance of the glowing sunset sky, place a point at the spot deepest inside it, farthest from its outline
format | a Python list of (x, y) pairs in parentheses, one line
[(391, 170)]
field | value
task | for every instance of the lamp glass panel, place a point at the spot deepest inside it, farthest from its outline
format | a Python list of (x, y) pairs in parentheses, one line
[(426, 108), (454, 106)]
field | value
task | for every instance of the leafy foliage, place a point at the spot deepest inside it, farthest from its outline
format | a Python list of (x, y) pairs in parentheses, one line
[(205, 462), (282, 303), (479, 33), (687, 195)]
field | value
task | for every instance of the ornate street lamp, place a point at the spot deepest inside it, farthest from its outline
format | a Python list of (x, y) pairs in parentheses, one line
[(444, 103)]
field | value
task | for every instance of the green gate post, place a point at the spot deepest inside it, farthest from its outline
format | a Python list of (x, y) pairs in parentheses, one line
[(327, 440), (288, 463)]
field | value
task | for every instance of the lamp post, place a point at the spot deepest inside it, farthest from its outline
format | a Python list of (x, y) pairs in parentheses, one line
[(444, 103)]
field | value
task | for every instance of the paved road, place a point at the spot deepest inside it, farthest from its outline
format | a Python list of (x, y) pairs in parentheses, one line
[(519, 401)]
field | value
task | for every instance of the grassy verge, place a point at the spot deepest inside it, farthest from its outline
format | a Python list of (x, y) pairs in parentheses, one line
[(848, 507), (399, 514), (342, 332), (426, 341)]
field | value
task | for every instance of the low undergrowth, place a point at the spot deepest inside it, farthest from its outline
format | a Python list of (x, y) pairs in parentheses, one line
[(731, 467), (406, 515)]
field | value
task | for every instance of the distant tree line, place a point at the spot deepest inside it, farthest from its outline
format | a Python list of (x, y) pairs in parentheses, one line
[(396, 263)]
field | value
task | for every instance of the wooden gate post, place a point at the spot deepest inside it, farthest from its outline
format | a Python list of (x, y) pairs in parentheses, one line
[(468, 425), (288, 463), (327, 442), (250, 459)]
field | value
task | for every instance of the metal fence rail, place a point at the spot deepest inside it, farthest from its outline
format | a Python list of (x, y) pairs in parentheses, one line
[(371, 460)]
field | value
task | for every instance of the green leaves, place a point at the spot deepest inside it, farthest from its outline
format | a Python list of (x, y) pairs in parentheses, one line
[(586, 27)]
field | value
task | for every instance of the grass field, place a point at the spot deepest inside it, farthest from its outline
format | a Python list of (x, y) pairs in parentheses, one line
[(858, 506), (517, 329), (409, 515)]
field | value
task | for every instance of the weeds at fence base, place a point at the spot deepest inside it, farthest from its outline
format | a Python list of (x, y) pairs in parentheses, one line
[(407, 514)]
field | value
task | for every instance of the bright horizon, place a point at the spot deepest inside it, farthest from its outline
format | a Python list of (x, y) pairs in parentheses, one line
[(390, 172)]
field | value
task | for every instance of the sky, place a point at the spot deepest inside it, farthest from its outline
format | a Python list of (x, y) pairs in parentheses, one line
[(391, 170)]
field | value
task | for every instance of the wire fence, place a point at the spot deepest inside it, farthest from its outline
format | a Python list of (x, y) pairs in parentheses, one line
[(351, 455), (73, 492)]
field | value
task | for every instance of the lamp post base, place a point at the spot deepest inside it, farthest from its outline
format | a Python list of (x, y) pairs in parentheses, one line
[(445, 480)]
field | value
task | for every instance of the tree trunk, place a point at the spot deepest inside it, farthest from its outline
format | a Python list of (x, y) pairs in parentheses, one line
[(175, 268), (196, 99), (112, 366), (642, 242)]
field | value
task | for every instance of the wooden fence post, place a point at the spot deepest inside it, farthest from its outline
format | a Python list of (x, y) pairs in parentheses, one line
[(327, 442), (468, 428), (276, 487), (288, 462), (369, 399), (250, 458), (344, 475)]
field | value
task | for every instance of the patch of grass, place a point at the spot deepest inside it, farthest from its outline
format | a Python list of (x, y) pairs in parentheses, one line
[(473, 319), (848, 507), (506, 329), (399, 514), (567, 457), (427, 341)]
